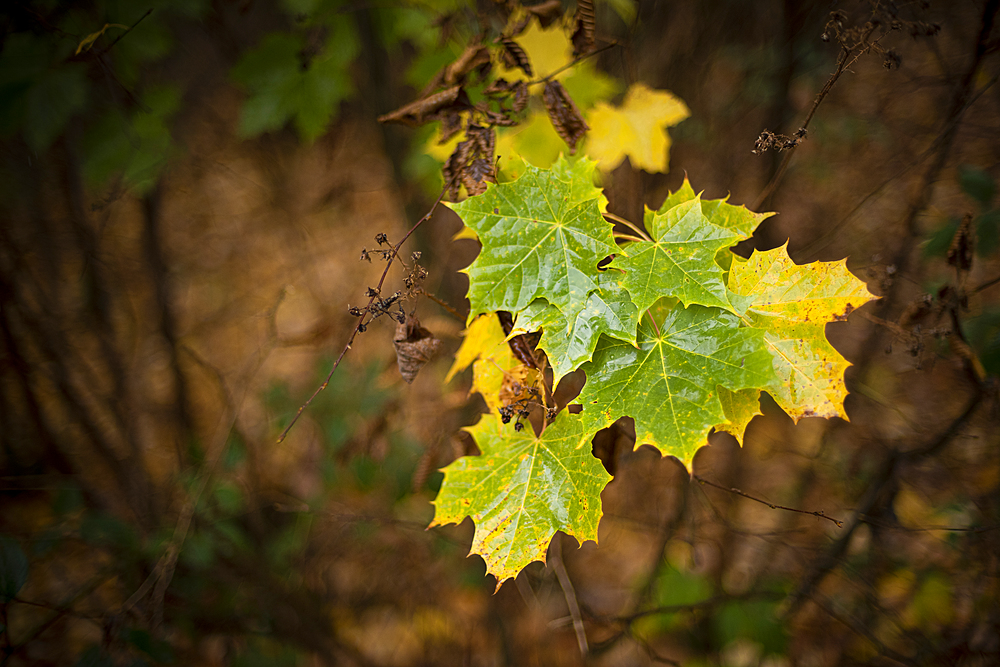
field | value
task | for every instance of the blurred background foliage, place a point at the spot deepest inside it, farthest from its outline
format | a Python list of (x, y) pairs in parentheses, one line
[(185, 189)]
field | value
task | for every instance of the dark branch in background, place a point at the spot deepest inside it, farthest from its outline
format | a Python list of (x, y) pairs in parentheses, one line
[(854, 43), (361, 325), (119, 38), (820, 513), (881, 481)]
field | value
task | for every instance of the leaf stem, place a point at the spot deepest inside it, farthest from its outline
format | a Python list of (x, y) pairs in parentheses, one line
[(656, 327), (631, 225)]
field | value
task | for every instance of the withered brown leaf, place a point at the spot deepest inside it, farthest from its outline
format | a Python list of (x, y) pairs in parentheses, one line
[(515, 56), (583, 29), (415, 346), (428, 108), (566, 118), (474, 57), (961, 251), (547, 12)]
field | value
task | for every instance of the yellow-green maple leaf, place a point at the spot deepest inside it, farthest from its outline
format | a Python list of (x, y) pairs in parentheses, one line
[(485, 348), (637, 129), (793, 303)]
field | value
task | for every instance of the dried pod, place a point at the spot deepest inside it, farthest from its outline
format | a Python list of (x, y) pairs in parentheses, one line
[(521, 96), (566, 118), (547, 12), (428, 108), (583, 29), (415, 346), (961, 251), (514, 56)]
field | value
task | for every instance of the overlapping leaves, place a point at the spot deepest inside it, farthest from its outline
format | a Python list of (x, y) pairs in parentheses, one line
[(542, 236), (675, 332)]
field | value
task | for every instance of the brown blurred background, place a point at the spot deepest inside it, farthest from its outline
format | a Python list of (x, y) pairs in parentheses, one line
[(156, 335)]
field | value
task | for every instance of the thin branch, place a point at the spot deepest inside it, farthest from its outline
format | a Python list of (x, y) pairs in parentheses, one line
[(457, 315), (573, 62), (556, 561), (361, 319), (119, 38), (842, 65), (820, 513)]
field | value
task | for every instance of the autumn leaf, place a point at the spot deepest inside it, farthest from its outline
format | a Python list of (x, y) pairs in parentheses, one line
[(485, 348), (637, 129), (542, 236), (718, 211), (739, 407), (522, 489), (570, 342), (679, 262), (792, 304), (668, 383)]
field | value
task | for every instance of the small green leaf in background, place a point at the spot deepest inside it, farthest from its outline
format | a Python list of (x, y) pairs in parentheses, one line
[(976, 183), (754, 620), (286, 84), (13, 568), (136, 149)]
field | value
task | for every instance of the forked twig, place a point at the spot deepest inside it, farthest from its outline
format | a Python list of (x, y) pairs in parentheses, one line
[(361, 319)]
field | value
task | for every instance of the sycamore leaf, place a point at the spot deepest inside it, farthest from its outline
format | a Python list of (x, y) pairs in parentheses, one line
[(739, 407), (542, 236), (680, 262), (793, 303), (570, 342), (522, 489), (668, 384), (637, 129)]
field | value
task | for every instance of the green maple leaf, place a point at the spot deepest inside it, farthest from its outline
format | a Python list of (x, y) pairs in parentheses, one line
[(668, 385), (793, 303), (522, 489), (542, 236), (568, 342), (718, 211), (679, 262)]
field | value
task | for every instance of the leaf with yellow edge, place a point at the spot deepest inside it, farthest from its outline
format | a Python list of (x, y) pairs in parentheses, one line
[(792, 304), (739, 407), (637, 129), (522, 489)]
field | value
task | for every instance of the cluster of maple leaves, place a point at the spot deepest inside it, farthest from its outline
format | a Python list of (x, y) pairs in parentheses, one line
[(675, 332), (671, 328)]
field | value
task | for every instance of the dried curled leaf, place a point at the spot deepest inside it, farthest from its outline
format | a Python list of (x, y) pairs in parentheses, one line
[(565, 116), (515, 57), (474, 57), (415, 346), (547, 12), (471, 164), (432, 107), (583, 28)]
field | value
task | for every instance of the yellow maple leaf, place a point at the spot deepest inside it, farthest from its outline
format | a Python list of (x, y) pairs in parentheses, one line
[(496, 373), (793, 303), (637, 129)]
